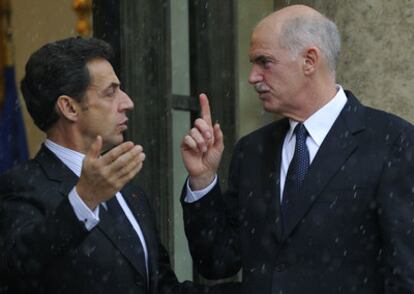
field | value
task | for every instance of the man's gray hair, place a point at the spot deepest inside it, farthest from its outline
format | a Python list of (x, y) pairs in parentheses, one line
[(305, 31)]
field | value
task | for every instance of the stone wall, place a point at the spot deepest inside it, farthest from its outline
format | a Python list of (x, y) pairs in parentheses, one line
[(377, 50)]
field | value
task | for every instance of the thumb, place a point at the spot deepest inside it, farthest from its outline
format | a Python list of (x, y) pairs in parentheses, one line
[(95, 148), (218, 137)]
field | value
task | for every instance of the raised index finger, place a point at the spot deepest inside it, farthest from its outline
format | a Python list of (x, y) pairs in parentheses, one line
[(205, 109)]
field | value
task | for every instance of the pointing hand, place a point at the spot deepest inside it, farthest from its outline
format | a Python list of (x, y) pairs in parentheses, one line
[(202, 148)]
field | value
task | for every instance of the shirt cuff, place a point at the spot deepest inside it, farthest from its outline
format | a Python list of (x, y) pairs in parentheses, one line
[(193, 196), (82, 211)]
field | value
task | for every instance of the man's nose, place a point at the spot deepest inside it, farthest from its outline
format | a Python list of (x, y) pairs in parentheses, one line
[(126, 103), (255, 76)]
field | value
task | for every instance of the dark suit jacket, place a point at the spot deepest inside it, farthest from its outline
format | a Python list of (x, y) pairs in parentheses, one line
[(45, 249), (349, 230)]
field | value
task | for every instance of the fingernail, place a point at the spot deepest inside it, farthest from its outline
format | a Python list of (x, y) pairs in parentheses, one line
[(208, 135)]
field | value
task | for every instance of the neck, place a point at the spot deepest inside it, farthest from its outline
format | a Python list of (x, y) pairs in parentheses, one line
[(318, 94), (66, 136)]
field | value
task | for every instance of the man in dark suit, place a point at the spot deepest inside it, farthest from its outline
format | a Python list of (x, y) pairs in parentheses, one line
[(70, 221), (320, 201)]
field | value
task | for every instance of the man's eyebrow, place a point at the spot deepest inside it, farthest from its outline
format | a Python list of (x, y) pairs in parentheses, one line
[(113, 85), (258, 58)]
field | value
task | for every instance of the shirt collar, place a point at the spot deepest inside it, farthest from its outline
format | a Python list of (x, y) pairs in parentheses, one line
[(319, 123), (71, 158)]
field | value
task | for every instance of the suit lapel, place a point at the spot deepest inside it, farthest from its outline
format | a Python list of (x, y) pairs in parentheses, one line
[(272, 157), (116, 233), (56, 170), (59, 172), (335, 150), (141, 211)]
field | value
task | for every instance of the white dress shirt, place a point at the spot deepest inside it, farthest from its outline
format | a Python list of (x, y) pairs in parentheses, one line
[(317, 125), (73, 160)]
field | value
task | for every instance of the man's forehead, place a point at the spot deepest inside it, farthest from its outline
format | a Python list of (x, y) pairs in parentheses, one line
[(265, 33), (262, 41), (101, 72), (266, 27)]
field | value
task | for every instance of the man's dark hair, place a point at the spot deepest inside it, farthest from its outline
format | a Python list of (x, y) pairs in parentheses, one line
[(56, 69)]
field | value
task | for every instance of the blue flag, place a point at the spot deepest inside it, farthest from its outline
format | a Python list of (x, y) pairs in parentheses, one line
[(13, 142)]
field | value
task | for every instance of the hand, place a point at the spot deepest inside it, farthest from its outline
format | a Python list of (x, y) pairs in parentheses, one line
[(202, 148), (103, 176)]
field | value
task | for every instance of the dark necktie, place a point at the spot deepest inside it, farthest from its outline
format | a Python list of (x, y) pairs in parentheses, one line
[(128, 232), (299, 165)]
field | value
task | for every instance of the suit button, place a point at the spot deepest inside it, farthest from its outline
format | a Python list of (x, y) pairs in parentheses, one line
[(281, 267)]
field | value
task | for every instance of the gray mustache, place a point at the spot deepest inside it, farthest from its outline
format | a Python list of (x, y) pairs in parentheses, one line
[(260, 87)]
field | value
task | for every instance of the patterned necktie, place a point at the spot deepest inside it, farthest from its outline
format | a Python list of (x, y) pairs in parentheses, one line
[(299, 165)]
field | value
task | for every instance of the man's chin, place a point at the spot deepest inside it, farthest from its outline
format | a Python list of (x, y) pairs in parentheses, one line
[(268, 107), (113, 142)]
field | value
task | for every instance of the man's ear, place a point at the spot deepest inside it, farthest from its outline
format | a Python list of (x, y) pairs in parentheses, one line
[(68, 107), (311, 59)]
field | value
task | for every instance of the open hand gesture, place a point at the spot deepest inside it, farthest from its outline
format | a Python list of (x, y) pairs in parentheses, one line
[(103, 176)]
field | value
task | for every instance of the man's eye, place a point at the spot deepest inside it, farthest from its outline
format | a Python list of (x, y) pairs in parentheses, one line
[(111, 92), (263, 62)]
